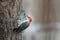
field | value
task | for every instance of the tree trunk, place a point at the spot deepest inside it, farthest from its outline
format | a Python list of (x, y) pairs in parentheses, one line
[(8, 12)]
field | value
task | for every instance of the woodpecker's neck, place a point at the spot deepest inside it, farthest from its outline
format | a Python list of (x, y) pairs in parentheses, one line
[(30, 19)]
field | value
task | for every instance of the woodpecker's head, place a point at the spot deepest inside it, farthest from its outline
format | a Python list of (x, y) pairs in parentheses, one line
[(30, 19)]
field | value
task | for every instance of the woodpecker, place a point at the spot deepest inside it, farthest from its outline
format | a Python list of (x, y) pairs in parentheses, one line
[(23, 25)]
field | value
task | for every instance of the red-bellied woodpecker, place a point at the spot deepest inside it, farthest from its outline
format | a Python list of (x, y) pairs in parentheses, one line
[(23, 25)]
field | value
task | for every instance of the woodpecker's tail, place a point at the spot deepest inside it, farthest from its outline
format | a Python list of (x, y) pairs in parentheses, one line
[(15, 30)]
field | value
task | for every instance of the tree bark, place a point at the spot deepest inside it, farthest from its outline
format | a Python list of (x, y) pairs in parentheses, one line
[(8, 12)]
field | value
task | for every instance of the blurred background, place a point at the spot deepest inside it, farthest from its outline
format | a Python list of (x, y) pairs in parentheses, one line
[(46, 20)]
